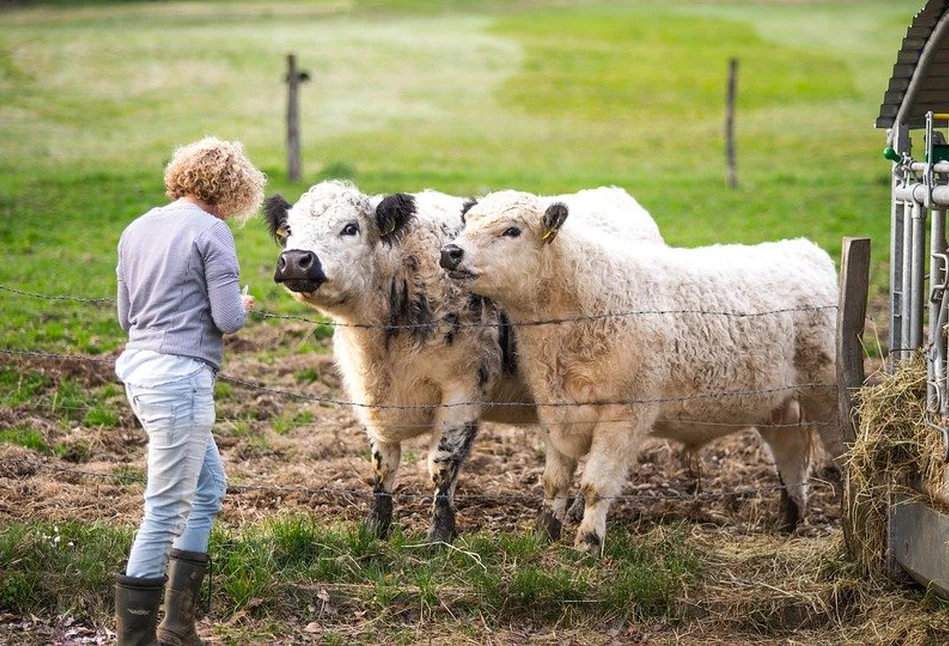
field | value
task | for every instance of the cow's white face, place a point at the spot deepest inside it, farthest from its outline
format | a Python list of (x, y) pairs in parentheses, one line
[(499, 254), (330, 238)]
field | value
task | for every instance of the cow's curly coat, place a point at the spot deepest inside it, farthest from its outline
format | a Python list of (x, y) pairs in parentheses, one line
[(657, 332), (417, 351)]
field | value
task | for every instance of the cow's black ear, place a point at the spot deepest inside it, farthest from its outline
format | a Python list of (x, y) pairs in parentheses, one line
[(275, 211), (470, 202), (393, 213), (554, 217)]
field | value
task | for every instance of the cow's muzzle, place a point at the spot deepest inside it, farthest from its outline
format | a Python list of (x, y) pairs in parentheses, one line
[(299, 271), (451, 258)]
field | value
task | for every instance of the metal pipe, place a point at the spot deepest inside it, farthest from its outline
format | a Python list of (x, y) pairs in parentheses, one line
[(918, 192), (941, 382), (938, 167), (918, 270), (906, 290), (903, 145), (936, 366)]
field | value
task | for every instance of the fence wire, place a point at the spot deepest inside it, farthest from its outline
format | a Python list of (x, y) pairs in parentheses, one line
[(323, 400), (264, 314), (334, 493), (483, 403)]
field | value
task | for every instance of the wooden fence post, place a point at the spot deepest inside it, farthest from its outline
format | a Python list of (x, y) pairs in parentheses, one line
[(293, 78), (730, 122), (851, 314)]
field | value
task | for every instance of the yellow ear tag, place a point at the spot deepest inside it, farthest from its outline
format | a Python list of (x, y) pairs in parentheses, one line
[(546, 235)]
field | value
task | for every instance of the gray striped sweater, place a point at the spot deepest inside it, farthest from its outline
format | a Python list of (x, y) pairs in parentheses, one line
[(179, 283)]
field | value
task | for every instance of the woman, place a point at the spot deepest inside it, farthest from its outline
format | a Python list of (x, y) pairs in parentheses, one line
[(178, 295)]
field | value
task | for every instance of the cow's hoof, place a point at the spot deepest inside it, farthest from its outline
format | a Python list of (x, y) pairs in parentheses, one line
[(379, 521), (575, 513), (443, 529), (833, 474), (547, 525), (588, 543), (440, 535), (790, 515)]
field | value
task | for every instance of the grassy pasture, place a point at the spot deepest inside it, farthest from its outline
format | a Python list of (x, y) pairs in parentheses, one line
[(463, 97)]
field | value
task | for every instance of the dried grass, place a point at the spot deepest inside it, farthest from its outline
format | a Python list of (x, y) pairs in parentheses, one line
[(766, 590), (895, 449)]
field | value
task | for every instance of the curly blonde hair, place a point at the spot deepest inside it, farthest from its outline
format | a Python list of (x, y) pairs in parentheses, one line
[(219, 174)]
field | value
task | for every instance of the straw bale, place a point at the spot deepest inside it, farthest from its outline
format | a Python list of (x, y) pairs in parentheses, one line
[(896, 449)]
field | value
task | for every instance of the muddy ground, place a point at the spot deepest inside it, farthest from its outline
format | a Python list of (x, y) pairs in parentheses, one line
[(320, 467)]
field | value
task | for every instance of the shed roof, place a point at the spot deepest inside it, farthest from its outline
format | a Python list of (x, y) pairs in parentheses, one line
[(920, 81)]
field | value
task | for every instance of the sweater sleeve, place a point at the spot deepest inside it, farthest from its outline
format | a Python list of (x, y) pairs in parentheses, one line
[(222, 273), (122, 296)]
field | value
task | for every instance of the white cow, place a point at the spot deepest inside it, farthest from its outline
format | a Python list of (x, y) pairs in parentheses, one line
[(688, 344), (419, 354)]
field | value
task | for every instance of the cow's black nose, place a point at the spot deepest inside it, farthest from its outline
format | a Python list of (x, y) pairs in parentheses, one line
[(295, 264), (300, 270), (451, 256)]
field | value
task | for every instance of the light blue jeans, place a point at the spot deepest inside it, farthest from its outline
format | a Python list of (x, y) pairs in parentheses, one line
[(186, 482)]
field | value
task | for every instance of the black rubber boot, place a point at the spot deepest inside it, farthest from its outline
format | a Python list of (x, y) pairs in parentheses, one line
[(185, 573), (136, 609)]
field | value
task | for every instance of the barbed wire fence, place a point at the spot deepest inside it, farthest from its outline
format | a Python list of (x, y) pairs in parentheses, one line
[(337, 493)]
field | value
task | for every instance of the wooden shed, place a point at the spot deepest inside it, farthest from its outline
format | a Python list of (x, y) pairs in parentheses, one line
[(917, 98)]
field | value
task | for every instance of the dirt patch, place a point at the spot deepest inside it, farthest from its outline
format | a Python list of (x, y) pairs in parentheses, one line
[(287, 450)]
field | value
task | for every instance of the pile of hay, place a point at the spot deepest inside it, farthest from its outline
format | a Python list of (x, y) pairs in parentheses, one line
[(895, 450)]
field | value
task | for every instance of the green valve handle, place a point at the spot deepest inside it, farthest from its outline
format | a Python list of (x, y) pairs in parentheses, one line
[(892, 155)]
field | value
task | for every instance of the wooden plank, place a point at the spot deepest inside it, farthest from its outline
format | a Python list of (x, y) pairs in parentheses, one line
[(887, 110), (905, 70), (910, 57), (939, 56), (851, 314), (919, 31), (933, 82), (927, 96), (918, 541)]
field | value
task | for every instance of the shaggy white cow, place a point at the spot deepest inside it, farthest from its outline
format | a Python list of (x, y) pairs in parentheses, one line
[(710, 337), (418, 352)]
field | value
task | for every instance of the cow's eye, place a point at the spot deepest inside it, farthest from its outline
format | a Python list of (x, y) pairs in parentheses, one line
[(511, 232), (350, 229)]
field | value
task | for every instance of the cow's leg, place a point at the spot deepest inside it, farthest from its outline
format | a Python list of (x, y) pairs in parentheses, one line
[(456, 427), (385, 466), (692, 461), (791, 444), (575, 512), (819, 411), (558, 475), (614, 447)]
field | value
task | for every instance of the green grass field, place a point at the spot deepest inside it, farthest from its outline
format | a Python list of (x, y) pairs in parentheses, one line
[(464, 97)]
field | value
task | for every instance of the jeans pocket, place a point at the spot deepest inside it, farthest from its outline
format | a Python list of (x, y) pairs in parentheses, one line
[(155, 413), (202, 406)]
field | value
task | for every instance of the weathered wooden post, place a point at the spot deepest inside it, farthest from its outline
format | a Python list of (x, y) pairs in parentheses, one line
[(730, 122), (293, 78), (851, 314)]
